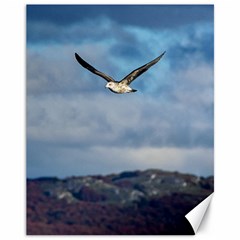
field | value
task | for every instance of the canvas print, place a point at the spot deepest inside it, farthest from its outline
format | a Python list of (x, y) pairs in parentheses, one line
[(119, 118)]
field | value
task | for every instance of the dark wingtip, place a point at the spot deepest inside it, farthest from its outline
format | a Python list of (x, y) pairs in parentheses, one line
[(161, 55), (78, 58)]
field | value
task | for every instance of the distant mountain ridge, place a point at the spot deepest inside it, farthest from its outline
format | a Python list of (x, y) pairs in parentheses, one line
[(132, 202)]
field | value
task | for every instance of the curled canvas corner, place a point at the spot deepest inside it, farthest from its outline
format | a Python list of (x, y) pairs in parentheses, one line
[(195, 216)]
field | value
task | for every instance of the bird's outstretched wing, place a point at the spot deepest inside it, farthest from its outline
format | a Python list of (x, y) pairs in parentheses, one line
[(137, 72), (92, 69)]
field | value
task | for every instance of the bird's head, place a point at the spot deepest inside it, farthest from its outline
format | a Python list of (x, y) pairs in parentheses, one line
[(109, 85)]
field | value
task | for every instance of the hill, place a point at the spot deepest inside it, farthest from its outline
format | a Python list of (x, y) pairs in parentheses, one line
[(138, 202)]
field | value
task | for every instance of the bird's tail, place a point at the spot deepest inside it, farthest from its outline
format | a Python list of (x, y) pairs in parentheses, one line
[(133, 90)]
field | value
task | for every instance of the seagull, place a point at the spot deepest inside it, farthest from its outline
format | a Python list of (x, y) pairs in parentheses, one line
[(123, 85)]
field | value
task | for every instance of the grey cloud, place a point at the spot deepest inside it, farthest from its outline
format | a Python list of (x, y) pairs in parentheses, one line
[(102, 119)]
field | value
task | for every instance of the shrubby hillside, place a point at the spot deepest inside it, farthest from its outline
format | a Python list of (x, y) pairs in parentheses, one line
[(147, 202)]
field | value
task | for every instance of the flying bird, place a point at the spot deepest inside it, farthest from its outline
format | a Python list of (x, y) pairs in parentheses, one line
[(123, 85)]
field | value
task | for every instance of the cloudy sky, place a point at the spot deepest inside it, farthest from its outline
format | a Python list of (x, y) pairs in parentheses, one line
[(77, 127)]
